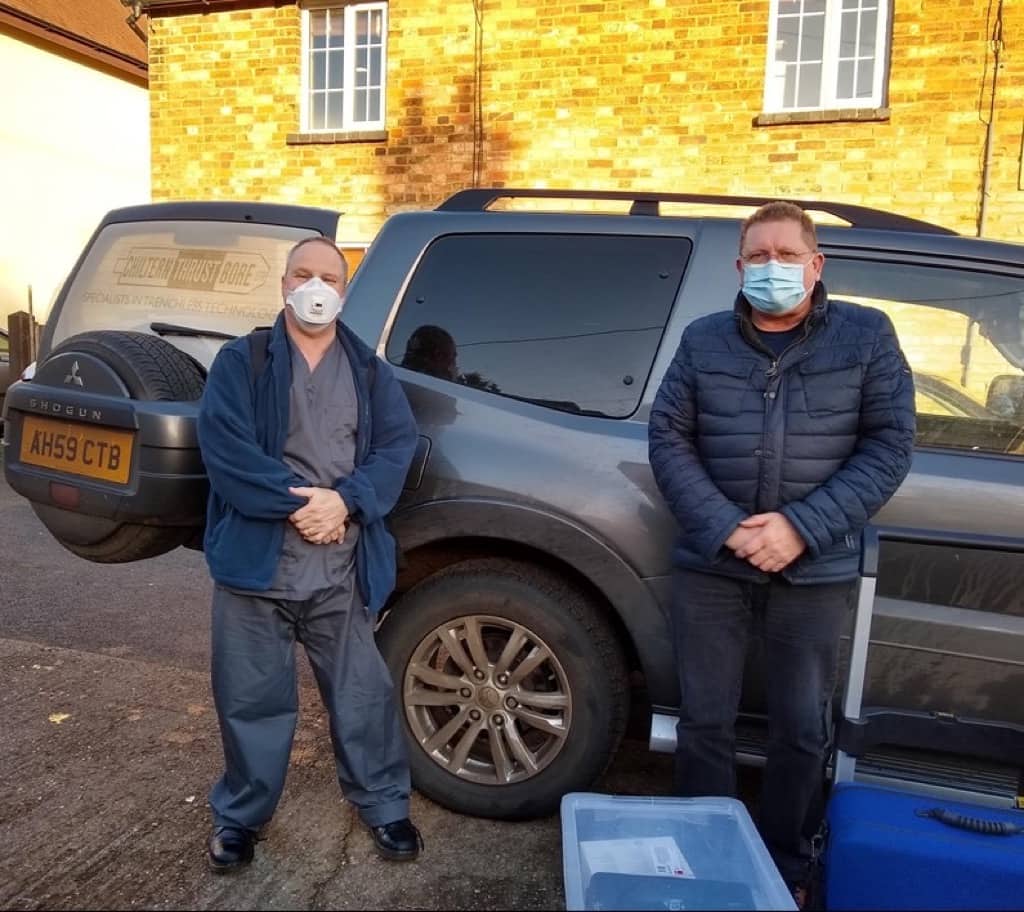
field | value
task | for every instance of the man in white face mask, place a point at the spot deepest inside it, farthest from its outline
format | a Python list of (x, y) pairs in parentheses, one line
[(313, 287), (779, 430), (307, 438)]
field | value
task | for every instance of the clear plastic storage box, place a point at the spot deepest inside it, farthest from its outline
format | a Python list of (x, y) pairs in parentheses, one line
[(623, 852)]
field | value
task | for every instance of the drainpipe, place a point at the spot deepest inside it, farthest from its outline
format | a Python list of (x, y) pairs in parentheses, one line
[(996, 44)]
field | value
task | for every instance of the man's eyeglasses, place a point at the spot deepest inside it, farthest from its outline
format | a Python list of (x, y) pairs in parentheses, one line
[(790, 257)]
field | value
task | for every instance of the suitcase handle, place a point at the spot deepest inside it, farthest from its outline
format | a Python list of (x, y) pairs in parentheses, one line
[(972, 824)]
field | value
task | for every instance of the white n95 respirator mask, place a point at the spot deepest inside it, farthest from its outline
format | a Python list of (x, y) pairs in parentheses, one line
[(315, 302)]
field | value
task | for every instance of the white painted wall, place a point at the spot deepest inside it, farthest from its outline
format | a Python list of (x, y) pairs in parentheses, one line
[(74, 143)]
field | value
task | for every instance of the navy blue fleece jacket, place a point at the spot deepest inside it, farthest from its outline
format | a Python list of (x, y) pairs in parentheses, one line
[(242, 429)]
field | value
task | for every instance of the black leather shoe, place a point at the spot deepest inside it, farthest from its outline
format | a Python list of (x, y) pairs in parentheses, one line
[(229, 848), (397, 841)]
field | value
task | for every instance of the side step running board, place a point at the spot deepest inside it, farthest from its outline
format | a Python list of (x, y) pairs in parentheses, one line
[(944, 777)]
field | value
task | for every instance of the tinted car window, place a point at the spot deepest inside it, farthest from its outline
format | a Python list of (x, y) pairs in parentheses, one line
[(571, 322), (963, 334), (221, 276)]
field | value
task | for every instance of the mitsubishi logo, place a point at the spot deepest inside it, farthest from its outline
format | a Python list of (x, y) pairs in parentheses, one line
[(73, 376)]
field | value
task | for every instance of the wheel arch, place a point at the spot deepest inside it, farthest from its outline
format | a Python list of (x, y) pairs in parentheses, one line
[(438, 534)]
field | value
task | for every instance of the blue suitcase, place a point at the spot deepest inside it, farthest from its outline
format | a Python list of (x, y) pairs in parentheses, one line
[(900, 849), (886, 851)]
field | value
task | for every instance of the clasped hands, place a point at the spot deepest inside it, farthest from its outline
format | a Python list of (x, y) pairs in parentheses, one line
[(766, 540), (324, 518)]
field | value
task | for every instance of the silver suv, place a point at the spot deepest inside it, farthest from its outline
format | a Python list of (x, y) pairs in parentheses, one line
[(529, 619)]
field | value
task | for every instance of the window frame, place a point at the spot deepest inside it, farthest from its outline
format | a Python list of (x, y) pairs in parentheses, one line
[(349, 12), (773, 102)]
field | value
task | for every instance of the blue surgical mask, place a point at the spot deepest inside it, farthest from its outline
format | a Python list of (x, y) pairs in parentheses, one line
[(774, 288)]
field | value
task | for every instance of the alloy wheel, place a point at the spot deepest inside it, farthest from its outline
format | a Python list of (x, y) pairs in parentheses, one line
[(487, 699)]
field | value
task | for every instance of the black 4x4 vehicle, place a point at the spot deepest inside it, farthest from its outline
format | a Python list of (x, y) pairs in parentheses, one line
[(531, 603)]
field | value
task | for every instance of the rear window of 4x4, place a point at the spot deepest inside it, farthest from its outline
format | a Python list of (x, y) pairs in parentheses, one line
[(222, 277)]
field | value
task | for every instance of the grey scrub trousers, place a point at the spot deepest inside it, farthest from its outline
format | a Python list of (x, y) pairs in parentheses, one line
[(313, 600)]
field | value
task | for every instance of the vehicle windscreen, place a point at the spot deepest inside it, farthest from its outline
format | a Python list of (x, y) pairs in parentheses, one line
[(220, 277)]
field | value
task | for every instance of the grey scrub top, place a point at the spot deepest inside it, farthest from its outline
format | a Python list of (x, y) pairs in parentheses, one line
[(320, 446)]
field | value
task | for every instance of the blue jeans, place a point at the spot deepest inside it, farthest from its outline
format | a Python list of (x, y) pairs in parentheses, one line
[(713, 618)]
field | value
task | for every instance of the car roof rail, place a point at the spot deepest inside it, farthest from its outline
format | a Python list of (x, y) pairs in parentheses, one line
[(480, 199)]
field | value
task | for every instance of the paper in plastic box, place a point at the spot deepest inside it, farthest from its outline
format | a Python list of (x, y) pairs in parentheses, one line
[(656, 856)]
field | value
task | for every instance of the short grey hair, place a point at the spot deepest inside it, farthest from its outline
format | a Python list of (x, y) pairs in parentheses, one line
[(317, 239)]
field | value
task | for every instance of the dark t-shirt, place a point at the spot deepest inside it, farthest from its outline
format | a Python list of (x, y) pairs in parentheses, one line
[(778, 342)]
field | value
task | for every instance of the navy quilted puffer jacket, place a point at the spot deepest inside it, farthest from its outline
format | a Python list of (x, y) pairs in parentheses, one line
[(824, 434)]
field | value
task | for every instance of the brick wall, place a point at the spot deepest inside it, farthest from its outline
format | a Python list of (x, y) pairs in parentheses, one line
[(610, 94)]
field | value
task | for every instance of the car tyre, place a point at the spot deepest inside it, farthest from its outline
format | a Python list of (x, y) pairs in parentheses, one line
[(151, 370), (104, 542), (512, 685)]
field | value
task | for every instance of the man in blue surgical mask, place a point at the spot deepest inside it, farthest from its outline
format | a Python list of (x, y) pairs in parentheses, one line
[(780, 428), (306, 437)]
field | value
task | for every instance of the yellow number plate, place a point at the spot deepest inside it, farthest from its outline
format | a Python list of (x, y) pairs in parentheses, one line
[(81, 449)]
